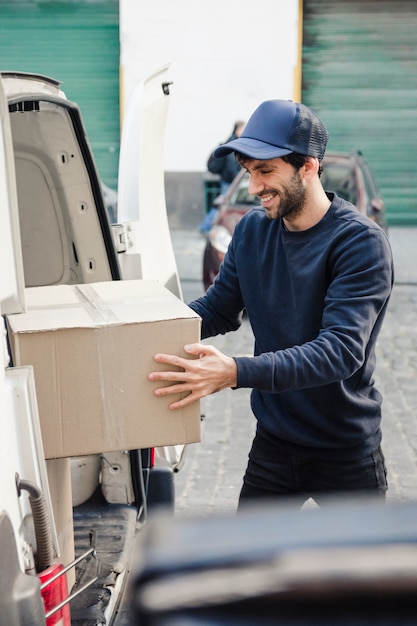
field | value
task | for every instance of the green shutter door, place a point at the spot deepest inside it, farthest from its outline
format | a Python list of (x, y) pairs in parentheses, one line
[(77, 43), (360, 74)]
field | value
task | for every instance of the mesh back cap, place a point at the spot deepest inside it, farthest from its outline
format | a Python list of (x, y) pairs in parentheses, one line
[(277, 128)]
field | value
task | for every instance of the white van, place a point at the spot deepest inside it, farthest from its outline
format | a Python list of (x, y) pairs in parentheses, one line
[(56, 230)]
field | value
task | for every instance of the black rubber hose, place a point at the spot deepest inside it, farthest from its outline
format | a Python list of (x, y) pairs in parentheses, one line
[(45, 551)]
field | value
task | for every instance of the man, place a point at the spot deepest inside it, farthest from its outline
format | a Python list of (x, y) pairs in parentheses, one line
[(315, 277)]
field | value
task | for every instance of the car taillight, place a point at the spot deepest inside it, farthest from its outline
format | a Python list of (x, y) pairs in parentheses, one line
[(54, 592), (152, 459)]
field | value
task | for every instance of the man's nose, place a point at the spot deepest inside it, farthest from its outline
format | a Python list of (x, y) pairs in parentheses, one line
[(255, 185)]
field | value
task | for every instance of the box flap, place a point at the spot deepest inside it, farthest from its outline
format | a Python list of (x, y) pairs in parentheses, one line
[(98, 304)]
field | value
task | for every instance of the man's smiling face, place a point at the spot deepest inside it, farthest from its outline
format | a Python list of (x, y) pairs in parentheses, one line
[(279, 185)]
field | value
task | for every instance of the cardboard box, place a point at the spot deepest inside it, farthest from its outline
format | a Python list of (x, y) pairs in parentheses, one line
[(92, 347)]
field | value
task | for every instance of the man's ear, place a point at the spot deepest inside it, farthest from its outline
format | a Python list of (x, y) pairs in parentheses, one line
[(311, 167)]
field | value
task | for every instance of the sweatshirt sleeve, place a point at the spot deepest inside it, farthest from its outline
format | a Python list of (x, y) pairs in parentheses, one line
[(360, 283), (222, 306)]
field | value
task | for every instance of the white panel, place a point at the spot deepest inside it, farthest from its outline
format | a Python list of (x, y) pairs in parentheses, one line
[(12, 280), (21, 450)]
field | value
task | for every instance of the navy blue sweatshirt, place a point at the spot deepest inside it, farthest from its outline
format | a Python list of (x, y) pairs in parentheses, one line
[(315, 300)]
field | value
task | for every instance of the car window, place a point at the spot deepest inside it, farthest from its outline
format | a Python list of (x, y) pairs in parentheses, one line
[(241, 195), (338, 177)]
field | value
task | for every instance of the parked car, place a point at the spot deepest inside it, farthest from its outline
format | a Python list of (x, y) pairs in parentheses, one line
[(56, 231), (349, 175), (352, 178)]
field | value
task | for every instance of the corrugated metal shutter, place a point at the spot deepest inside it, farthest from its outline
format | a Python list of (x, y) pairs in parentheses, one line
[(360, 74), (76, 42)]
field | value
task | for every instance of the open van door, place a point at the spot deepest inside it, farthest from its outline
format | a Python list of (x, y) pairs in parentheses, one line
[(141, 187), (22, 465), (12, 283)]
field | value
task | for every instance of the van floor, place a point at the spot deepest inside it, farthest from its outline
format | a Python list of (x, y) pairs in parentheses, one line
[(111, 529)]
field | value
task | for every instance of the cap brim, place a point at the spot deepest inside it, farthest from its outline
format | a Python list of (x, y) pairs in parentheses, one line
[(252, 148)]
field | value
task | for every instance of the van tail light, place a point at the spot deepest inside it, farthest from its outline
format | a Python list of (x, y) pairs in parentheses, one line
[(53, 579), (144, 458), (54, 592), (54, 589)]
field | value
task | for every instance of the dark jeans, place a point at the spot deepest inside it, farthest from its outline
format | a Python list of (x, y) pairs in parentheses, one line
[(275, 473)]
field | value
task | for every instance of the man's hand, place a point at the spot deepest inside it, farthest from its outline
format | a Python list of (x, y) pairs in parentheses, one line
[(210, 372)]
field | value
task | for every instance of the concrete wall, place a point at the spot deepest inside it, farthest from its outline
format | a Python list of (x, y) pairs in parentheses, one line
[(186, 199)]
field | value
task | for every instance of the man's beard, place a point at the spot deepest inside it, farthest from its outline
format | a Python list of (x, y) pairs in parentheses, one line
[(291, 199)]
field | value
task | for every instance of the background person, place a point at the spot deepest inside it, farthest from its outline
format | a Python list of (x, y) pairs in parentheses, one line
[(227, 168), (315, 277)]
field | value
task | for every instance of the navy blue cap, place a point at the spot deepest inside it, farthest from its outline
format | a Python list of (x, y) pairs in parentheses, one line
[(277, 128)]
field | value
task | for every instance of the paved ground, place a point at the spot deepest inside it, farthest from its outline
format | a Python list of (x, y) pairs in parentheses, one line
[(211, 478)]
